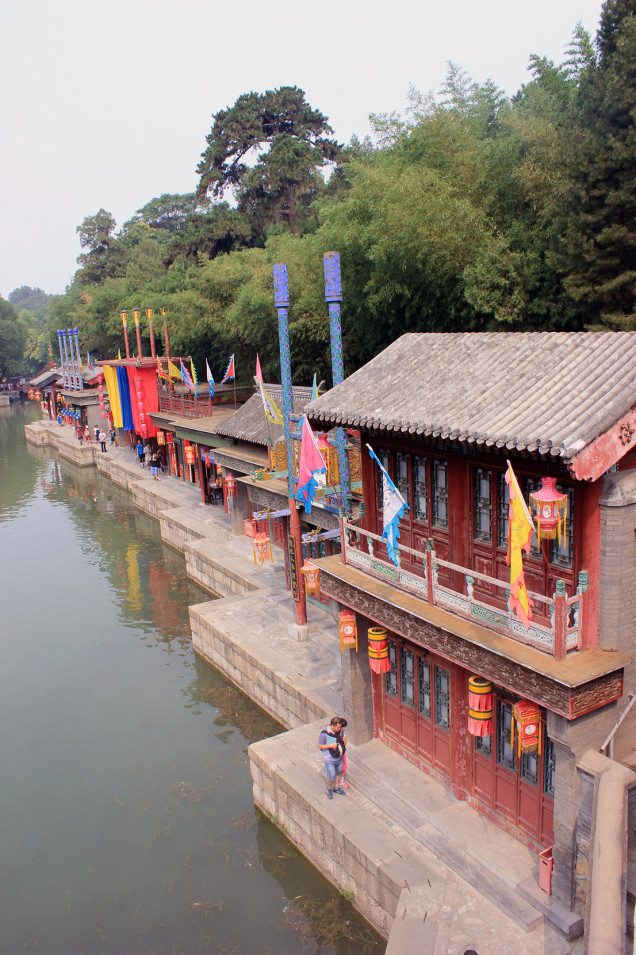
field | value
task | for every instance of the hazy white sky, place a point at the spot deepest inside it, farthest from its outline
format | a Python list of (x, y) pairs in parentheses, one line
[(107, 105)]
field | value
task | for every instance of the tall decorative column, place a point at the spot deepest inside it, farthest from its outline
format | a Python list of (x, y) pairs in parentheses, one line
[(80, 376), (150, 314), (166, 338), (138, 331), (124, 320), (281, 302), (333, 297), (62, 363), (69, 378)]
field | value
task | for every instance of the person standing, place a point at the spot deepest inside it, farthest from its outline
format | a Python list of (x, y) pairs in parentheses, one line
[(331, 744), (342, 781), (102, 440), (148, 453), (154, 466), (140, 452), (87, 435), (112, 437), (96, 430)]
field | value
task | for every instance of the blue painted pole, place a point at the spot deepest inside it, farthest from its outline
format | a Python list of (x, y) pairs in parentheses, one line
[(333, 297), (69, 381), (281, 302), (80, 376), (59, 341)]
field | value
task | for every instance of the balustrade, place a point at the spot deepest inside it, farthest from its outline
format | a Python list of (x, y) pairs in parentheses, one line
[(563, 615)]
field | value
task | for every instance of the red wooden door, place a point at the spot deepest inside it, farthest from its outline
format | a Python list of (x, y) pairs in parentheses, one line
[(416, 707), (519, 789)]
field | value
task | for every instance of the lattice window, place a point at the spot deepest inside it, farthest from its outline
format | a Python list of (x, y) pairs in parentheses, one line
[(505, 749), (549, 766), (482, 504), (442, 698), (424, 688), (561, 554), (503, 509), (407, 666), (384, 458), (402, 476), (529, 769), (391, 676), (440, 493), (483, 745), (420, 490)]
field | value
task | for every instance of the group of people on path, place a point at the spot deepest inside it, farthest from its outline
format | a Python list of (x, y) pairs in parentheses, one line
[(332, 742), (100, 436), (149, 458)]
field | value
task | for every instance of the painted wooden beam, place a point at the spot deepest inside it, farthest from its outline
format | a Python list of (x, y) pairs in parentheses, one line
[(601, 454)]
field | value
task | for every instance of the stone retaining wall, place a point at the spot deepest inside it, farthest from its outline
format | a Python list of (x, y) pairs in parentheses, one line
[(253, 667)]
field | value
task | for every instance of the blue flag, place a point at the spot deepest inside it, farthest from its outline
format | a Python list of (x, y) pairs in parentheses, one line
[(393, 507)]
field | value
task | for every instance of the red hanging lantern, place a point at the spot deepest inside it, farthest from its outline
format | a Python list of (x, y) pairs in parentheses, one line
[(230, 485), (103, 415), (311, 576), (262, 549), (379, 650), (551, 510), (347, 630), (479, 706), (527, 716)]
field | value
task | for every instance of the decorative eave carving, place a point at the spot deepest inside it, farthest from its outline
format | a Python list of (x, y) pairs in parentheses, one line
[(570, 687), (601, 454)]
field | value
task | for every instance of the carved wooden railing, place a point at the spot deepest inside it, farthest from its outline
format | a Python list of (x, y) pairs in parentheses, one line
[(188, 407), (565, 614)]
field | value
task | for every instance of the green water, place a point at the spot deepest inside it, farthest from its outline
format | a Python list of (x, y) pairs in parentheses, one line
[(125, 796)]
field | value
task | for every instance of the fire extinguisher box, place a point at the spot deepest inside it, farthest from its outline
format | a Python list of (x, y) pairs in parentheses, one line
[(545, 870)]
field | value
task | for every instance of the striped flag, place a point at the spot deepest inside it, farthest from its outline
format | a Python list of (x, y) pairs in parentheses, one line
[(520, 530), (229, 371), (185, 376), (311, 468), (314, 389), (259, 373), (271, 409), (393, 507), (210, 378), (193, 372)]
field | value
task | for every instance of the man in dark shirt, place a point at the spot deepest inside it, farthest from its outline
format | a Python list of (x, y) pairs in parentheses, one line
[(332, 746)]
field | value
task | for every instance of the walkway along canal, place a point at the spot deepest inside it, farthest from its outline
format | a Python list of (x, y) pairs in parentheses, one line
[(126, 799), (430, 873)]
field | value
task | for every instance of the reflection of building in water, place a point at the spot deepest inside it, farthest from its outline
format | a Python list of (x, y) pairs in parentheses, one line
[(133, 589), (166, 615), (234, 708)]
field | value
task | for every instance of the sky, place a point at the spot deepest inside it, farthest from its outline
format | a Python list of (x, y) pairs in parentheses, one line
[(107, 105)]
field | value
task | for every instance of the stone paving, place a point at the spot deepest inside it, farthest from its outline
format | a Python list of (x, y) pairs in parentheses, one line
[(445, 914)]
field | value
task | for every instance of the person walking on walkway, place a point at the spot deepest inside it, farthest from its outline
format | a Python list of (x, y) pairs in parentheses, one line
[(102, 439), (96, 429), (154, 466), (148, 453), (87, 435), (331, 744), (140, 452)]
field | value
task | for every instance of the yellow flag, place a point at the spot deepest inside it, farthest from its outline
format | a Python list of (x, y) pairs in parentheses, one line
[(520, 530), (173, 371)]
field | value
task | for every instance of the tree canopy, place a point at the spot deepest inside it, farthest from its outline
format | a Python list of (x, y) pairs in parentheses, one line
[(288, 144)]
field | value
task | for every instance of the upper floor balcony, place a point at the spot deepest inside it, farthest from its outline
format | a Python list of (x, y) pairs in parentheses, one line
[(557, 624)]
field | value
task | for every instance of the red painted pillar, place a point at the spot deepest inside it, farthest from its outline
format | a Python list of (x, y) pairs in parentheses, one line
[(201, 475), (459, 735), (560, 620)]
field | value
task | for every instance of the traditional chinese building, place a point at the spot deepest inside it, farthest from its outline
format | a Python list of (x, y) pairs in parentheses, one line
[(445, 413)]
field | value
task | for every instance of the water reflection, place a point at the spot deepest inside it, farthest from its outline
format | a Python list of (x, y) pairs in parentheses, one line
[(125, 793)]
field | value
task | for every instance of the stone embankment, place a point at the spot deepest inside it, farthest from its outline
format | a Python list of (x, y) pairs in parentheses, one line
[(429, 872)]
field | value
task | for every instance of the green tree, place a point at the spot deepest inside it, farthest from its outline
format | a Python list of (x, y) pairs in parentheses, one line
[(13, 339), (285, 140)]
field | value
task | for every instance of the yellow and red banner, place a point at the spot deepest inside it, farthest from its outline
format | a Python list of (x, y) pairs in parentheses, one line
[(520, 531)]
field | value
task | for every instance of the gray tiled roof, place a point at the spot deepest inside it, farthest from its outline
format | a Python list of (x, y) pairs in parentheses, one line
[(551, 392), (248, 423)]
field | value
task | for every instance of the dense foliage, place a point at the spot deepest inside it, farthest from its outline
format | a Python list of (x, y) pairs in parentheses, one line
[(470, 212)]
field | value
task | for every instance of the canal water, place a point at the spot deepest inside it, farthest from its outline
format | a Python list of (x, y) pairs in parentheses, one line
[(125, 794)]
